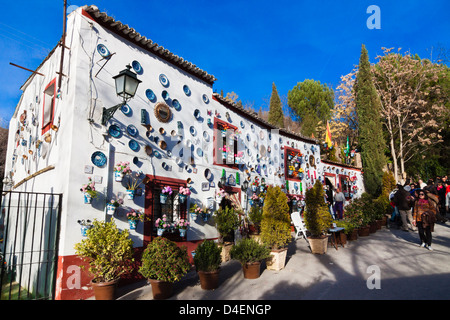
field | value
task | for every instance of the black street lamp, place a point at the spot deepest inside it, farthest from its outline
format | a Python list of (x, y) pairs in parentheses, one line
[(126, 86)]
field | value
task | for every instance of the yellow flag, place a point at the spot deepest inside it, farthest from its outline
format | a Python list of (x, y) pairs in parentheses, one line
[(328, 136)]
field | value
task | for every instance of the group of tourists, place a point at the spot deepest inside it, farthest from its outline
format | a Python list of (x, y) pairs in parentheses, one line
[(418, 206)]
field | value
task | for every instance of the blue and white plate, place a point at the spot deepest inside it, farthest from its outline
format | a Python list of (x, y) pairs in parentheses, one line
[(163, 79), (126, 109), (132, 130), (137, 67), (192, 130), (176, 104), (186, 90), (199, 152), (103, 50), (98, 158), (242, 124), (114, 131), (133, 145), (205, 98), (150, 95), (165, 95)]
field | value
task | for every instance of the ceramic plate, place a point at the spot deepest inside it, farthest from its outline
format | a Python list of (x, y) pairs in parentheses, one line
[(199, 152), (133, 145), (206, 136), (242, 124), (165, 95), (192, 130), (205, 98), (150, 95), (98, 158), (176, 104), (125, 109), (186, 90), (132, 130), (163, 79), (137, 67), (103, 50), (114, 131)]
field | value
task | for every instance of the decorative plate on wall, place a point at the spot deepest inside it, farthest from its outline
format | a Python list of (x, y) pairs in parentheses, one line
[(98, 158), (103, 50), (114, 131), (132, 130), (150, 95), (137, 67), (133, 145), (192, 130), (163, 79), (176, 104), (165, 95), (242, 124), (126, 109), (186, 90), (162, 112), (205, 98)]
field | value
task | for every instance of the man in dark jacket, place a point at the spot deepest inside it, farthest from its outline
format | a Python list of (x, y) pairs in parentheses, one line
[(403, 201)]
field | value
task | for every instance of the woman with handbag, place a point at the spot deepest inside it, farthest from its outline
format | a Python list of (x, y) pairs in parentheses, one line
[(424, 218)]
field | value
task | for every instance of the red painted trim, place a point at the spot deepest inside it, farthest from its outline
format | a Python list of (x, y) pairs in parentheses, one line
[(84, 13), (216, 136), (47, 126)]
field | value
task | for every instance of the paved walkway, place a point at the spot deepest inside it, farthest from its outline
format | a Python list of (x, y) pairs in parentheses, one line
[(406, 270)]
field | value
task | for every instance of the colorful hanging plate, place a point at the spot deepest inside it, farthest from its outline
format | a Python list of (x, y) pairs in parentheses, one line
[(165, 95), (205, 98), (98, 158), (186, 90), (192, 130), (199, 152), (242, 124), (133, 145), (176, 104), (163, 79), (137, 67), (150, 95), (126, 109), (114, 131), (132, 130), (103, 50)]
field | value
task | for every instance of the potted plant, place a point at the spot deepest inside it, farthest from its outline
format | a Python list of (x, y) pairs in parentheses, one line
[(317, 218), (112, 206), (276, 227), (182, 226), (183, 193), (120, 169), (226, 220), (163, 263), (88, 190), (207, 260), (220, 195), (85, 226), (254, 199), (255, 216), (194, 210), (165, 192), (250, 253), (133, 217), (109, 253), (133, 183), (161, 225)]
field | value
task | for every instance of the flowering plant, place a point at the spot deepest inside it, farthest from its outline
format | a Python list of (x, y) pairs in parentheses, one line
[(162, 223), (291, 168), (181, 224), (89, 188), (123, 167), (116, 203), (255, 182), (167, 189), (185, 191), (133, 180), (254, 197), (222, 193), (135, 215)]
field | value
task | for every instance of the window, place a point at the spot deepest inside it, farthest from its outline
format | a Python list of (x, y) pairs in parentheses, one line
[(293, 160), (48, 113), (226, 144)]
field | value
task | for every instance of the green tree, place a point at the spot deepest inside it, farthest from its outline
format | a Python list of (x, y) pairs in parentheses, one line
[(276, 116), (370, 127), (311, 102)]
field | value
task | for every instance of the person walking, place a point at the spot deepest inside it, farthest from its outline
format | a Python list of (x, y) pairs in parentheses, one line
[(424, 218), (339, 200), (403, 201)]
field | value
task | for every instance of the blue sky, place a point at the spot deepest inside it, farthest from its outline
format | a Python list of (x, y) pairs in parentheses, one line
[(246, 45)]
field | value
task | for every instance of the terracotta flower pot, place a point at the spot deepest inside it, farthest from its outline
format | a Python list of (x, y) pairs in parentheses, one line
[(379, 224), (353, 236), (105, 290), (161, 289), (251, 270), (373, 227), (364, 231), (209, 280)]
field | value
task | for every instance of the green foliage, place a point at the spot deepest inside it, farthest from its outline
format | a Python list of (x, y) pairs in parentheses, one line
[(317, 216), (255, 216), (347, 224), (370, 127), (276, 221), (248, 251), (276, 116), (311, 102), (163, 260), (207, 256), (388, 183), (227, 221), (108, 251)]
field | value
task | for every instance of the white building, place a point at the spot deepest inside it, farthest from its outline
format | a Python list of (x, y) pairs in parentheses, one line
[(171, 131)]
